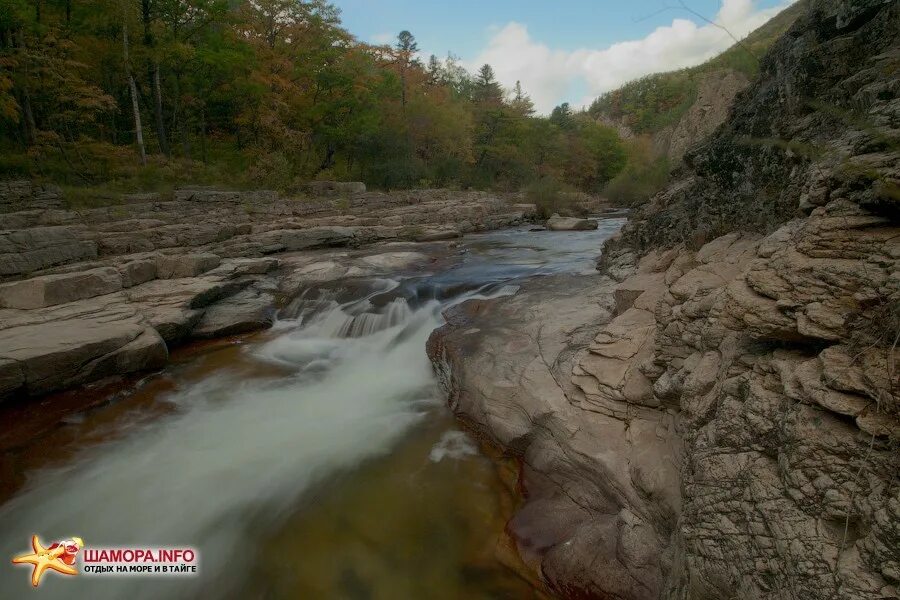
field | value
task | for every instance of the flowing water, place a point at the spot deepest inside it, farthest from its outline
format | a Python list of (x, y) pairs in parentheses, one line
[(315, 460)]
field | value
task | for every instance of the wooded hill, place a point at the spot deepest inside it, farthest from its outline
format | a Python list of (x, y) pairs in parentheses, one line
[(648, 104), (145, 94)]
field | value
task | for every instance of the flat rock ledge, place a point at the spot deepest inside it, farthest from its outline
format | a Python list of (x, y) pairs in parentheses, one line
[(701, 426), (85, 295)]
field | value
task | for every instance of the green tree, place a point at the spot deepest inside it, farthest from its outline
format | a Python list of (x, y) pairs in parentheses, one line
[(405, 48)]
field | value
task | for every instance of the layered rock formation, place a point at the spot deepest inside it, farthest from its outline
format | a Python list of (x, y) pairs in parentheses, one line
[(717, 414), (104, 291)]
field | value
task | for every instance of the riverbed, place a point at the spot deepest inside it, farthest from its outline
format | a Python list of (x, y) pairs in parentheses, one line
[(317, 459)]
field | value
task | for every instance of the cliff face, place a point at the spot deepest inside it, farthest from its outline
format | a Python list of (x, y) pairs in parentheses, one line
[(715, 94), (775, 343), (717, 414), (680, 109), (819, 124)]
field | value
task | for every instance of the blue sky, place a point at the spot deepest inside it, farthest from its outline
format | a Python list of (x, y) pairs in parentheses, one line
[(564, 50)]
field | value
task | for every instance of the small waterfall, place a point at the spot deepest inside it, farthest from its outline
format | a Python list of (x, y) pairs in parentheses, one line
[(239, 454), (221, 472), (367, 323)]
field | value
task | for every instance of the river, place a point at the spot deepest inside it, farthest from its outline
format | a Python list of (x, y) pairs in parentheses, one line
[(314, 460)]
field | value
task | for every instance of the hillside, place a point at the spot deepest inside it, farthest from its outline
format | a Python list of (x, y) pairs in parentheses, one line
[(651, 103), (107, 99)]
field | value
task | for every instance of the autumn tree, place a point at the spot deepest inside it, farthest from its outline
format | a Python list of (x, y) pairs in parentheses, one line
[(268, 92)]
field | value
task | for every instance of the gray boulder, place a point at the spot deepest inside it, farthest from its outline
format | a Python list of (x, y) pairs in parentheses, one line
[(49, 290), (26, 251), (314, 237), (185, 265), (43, 357), (137, 272), (246, 311), (558, 223)]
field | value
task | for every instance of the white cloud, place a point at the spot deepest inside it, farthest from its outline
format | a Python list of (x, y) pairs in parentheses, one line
[(549, 75)]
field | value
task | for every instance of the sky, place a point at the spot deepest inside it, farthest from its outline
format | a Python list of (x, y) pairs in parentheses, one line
[(562, 50)]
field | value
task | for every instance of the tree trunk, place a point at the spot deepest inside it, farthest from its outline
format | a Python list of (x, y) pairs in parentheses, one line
[(158, 111), (153, 72), (328, 161), (203, 150), (138, 130), (30, 127)]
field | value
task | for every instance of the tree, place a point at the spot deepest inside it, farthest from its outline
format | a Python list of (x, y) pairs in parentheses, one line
[(405, 49), (521, 102), (561, 116), (435, 71), (138, 130), (269, 91), (487, 90), (153, 72)]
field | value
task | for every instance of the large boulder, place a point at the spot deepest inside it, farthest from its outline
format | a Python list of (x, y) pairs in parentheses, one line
[(314, 237), (246, 311), (49, 290), (29, 250), (104, 340), (136, 272), (185, 265), (558, 223)]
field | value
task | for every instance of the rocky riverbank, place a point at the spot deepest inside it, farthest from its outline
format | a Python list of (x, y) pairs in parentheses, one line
[(108, 291), (716, 413)]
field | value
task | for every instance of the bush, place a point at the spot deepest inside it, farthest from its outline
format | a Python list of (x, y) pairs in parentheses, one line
[(642, 177), (550, 196)]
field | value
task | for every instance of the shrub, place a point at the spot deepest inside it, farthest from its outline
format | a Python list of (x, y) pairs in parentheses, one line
[(643, 175), (550, 196)]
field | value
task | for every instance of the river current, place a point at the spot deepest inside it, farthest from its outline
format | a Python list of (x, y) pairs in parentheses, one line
[(314, 460)]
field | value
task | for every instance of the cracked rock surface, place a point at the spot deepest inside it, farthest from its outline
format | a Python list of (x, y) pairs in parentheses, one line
[(716, 414)]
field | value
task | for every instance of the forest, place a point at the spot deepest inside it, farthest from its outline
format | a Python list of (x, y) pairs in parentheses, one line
[(145, 94)]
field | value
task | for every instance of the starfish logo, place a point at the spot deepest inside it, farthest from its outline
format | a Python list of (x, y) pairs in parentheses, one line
[(59, 557)]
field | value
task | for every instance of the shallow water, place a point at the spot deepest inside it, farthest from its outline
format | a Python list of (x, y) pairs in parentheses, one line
[(316, 460)]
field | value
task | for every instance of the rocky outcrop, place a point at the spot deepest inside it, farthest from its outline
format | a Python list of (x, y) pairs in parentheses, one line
[(714, 98), (676, 433), (819, 125), (714, 94), (233, 224), (723, 421), (31, 250), (108, 291)]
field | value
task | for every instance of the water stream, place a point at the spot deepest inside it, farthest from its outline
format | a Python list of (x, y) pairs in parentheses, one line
[(314, 460)]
